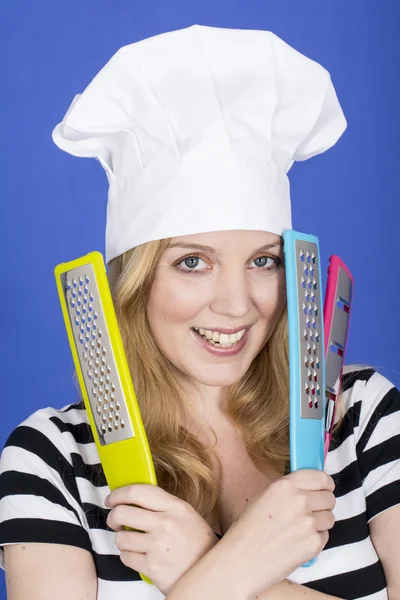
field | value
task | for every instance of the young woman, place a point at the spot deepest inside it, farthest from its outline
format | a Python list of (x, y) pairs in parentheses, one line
[(199, 291)]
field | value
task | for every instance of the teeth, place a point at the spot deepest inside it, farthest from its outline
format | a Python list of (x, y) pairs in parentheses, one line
[(223, 339)]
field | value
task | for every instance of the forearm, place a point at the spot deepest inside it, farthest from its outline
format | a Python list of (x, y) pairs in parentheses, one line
[(218, 576), (287, 590)]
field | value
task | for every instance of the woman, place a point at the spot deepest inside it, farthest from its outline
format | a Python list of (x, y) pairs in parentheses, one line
[(196, 130)]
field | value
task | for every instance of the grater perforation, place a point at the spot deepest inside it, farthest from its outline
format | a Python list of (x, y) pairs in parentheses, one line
[(98, 366), (310, 323)]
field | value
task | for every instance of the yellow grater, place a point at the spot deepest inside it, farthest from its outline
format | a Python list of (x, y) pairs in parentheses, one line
[(103, 372)]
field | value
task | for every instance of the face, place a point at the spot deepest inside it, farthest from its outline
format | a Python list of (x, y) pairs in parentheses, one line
[(208, 286)]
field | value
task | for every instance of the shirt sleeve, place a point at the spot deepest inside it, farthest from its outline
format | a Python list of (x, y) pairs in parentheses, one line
[(39, 498), (378, 444)]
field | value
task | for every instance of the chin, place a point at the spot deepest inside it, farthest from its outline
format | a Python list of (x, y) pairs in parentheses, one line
[(218, 382), (219, 379)]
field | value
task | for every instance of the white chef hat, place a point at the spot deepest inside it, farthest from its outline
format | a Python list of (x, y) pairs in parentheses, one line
[(197, 129)]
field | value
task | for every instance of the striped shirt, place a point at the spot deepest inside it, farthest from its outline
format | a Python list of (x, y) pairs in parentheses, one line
[(52, 490)]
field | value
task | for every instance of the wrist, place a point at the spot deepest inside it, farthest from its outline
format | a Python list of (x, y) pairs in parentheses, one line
[(212, 577), (230, 553)]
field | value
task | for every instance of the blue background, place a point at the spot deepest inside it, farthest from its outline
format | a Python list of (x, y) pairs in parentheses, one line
[(53, 205)]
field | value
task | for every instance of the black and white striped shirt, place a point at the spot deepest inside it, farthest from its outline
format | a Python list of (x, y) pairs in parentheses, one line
[(51, 491)]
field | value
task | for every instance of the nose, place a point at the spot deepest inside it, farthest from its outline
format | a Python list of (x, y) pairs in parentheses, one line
[(231, 294)]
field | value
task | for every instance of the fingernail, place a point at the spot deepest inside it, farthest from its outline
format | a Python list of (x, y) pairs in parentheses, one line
[(106, 500)]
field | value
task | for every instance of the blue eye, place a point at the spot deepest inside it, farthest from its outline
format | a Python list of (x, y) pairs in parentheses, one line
[(191, 262), (264, 260)]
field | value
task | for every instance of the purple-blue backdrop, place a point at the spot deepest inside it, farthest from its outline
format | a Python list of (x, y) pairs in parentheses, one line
[(53, 205)]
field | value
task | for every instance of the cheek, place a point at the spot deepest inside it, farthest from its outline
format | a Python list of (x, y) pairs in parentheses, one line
[(271, 299), (174, 300)]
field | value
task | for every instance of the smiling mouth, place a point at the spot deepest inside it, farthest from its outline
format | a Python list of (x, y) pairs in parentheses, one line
[(220, 339)]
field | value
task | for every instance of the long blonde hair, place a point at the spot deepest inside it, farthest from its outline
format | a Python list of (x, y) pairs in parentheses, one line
[(258, 404)]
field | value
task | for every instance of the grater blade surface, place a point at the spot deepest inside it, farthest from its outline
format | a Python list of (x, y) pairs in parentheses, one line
[(96, 357), (310, 323)]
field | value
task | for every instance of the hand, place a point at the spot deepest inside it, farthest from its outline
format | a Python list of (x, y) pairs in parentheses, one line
[(175, 535), (280, 529)]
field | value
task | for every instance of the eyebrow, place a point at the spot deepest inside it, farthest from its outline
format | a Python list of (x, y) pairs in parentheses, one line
[(213, 251)]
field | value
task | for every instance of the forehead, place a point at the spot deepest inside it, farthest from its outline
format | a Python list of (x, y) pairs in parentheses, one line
[(219, 240)]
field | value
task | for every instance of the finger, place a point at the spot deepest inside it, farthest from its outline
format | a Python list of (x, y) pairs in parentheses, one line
[(320, 500), (132, 541), (324, 520), (312, 479), (148, 496), (324, 536), (319, 546), (136, 561), (133, 517)]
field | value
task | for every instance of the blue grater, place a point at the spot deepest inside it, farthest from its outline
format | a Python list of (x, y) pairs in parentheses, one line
[(306, 351)]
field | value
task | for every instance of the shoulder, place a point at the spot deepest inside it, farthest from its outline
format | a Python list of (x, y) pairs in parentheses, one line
[(51, 422), (367, 397), (50, 434)]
